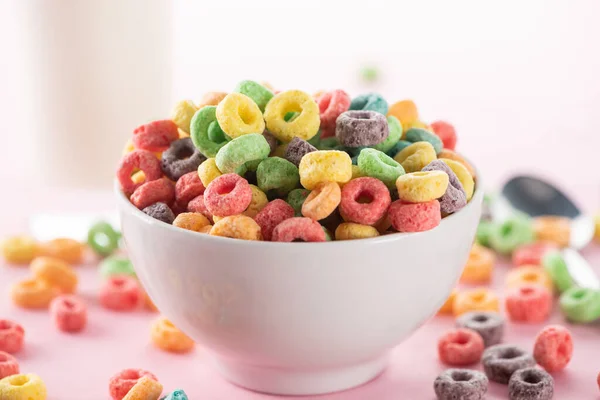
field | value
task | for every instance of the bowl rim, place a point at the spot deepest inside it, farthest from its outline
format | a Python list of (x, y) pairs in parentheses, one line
[(125, 204)]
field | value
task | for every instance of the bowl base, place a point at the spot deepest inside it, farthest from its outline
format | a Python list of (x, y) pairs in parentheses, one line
[(297, 383)]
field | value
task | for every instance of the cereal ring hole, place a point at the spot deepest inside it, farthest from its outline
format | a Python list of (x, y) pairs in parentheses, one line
[(69, 304), (532, 377), (462, 339), (364, 198), (18, 380), (102, 239), (509, 354), (461, 376), (527, 291), (480, 318), (5, 325), (118, 282), (578, 294), (478, 297), (506, 229), (530, 276), (184, 152), (130, 374)]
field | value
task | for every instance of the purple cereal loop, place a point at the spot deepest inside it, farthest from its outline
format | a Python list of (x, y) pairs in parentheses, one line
[(454, 198), (271, 140), (489, 324), (161, 212), (361, 128), (180, 158), (463, 384), (502, 360), (296, 149), (531, 384)]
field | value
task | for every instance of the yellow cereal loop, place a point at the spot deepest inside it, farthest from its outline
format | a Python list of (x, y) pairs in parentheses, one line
[(145, 389), (237, 227), (55, 272), (552, 228), (280, 150), (211, 99), (406, 112), (420, 187), (22, 387), (597, 231), (129, 147), (182, 114), (19, 249), (529, 275), (304, 126), (452, 155), (324, 165), (350, 231), (206, 229), (168, 337), (463, 175), (191, 221), (138, 177), (239, 115), (416, 156), (32, 293), (208, 171), (258, 202)]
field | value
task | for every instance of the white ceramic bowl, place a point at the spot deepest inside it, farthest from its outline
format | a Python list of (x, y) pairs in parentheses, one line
[(298, 318)]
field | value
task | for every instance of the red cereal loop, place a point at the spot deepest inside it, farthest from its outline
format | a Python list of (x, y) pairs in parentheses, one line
[(138, 159), (228, 194), (272, 215), (8, 365), (11, 336), (121, 383), (155, 136), (121, 293), (160, 190), (553, 348), (69, 313), (197, 205), (414, 217), (528, 303), (532, 254), (460, 347), (446, 133), (364, 200), (331, 105), (188, 187), (298, 229)]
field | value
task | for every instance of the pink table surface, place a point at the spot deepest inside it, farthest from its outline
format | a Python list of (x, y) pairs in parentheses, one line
[(78, 366)]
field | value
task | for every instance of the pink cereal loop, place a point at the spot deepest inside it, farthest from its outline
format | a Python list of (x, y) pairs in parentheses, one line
[(160, 190), (69, 313), (274, 213), (331, 105), (121, 293), (228, 194), (155, 136), (11, 336), (8, 365), (197, 205), (368, 213), (121, 383), (188, 187), (138, 159), (298, 229)]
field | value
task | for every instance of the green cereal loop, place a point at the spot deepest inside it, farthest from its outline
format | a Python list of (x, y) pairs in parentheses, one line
[(216, 134), (556, 267), (580, 304), (379, 165), (233, 155), (395, 129), (277, 174), (103, 239), (414, 135), (296, 198), (484, 231), (290, 115), (510, 234), (327, 234), (116, 265), (199, 127), (252, 165), (257, 92), (397, 148)]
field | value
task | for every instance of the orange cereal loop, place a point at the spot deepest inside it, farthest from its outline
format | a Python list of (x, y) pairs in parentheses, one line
[(452, 155), (145, 388), (237, 227), (69, 250), (206, 229), (479, 266), (480, 299), (449, 303), (166, 336), (191, 221), (33, 293), (406, 112), (55, 272), (322, 200), (529, 275), (211, 99), (149, 304), (19, 249), (553, 229)]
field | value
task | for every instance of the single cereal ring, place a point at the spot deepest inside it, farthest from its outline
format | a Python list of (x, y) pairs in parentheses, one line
[(448, 154), (415, 135), (69, 313), (361, 128), (463, 175), (8, 365), (202, 124), (489, 324), (181, 158), (176, 395), (370, 102), (553, 229), (166, 336), (555, 265), (161, 212), (211, 99), (416, 156), (145, 389), (239, 115), (398, 147), (272, 215), (33, 293), (246, 148), (502, 360), (120, 384), (296, 199), (182, 114), (446, 133), (257, 92), (116, 265), (460, 347), (510, 234), (121, 293), (277, 174), (322, 201), (304, 126), (480, 265), (364, 201), (529, 275), (155, 136), (532, 253), (446, 308), (55, 272), (258, 202), (405, 111), (350, 231), (138, 159), (11, 336), (197, 205), (188, 187), (331, 105), (379, 165), (296, 149), (68, 250), (237, 227), (461, 384), (531, 384), (325, 165), (22, 387), (103, 239), (528, 303), (580, 304), (484, 232), (414, 217), (479, 299), (421, 187), (208, 171), (228, 194), (19, 249), (191, 221), (394, 135), (553, 348), (298, 229), (455, 197), (160, 190)]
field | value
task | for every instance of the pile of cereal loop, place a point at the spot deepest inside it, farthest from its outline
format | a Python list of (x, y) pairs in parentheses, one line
[(259, 164)]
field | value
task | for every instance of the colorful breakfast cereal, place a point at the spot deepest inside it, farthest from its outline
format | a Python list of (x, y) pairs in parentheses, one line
[(531, 384), (502, 360), (553, 348), (460, 347), (464, 384), (489, 324)]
